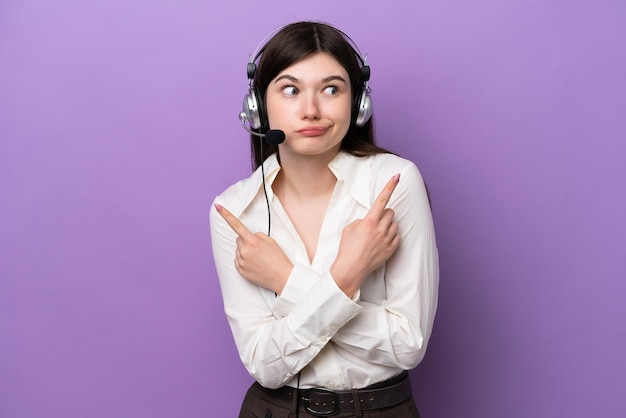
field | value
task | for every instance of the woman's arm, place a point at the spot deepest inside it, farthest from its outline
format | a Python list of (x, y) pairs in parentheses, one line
[(274, 348), (396, 331)]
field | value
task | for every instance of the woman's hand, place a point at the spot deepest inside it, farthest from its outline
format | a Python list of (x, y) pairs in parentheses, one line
[(366, 243), (259, 259)]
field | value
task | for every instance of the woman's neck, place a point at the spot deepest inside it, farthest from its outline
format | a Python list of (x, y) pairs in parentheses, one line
[(304, 178)]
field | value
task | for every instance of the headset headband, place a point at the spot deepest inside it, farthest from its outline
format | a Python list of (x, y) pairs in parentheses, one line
[(251, 68)]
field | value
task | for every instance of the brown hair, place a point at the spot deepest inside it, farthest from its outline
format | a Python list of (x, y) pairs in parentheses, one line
[(293, 43)]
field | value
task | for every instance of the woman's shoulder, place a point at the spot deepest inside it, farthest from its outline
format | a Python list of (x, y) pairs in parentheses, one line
[(377, 167), (367, 175), (239, 195), (376, 161), (388, 158), (390, 164)]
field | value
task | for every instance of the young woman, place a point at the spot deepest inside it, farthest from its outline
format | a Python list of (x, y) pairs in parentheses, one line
[(326, 255)]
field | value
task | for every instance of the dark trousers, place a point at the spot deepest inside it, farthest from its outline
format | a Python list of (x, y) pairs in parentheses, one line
[(259, 403)]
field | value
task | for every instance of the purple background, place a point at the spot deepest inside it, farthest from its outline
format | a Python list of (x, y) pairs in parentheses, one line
[(118, 126)]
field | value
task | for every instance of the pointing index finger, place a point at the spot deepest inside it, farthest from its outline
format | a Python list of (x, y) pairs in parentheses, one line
[(233, 222), (383, 198)]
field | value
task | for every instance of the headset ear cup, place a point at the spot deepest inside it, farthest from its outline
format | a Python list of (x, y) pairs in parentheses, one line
[(363, 108), (254, 110), (251, 110), (263, 122)]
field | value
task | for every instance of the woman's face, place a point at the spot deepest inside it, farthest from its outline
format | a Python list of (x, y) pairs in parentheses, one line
[(311, 102)]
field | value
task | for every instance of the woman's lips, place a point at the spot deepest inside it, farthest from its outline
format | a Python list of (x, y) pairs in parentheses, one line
[(313, 131)]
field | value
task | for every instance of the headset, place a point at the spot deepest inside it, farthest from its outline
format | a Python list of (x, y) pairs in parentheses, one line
[(253, 104)]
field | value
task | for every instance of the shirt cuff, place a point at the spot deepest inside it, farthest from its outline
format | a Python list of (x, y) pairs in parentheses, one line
[(299, 282), (322, 312)]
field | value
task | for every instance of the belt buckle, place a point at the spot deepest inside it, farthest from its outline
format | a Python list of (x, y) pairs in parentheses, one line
[(321, 402)]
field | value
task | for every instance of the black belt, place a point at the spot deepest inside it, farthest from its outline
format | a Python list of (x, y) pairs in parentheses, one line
[(323, 403)]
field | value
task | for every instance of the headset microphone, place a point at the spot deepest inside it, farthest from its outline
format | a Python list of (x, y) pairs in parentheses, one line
[(272, 137)]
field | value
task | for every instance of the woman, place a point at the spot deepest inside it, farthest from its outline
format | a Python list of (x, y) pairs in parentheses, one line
[(329, 311)]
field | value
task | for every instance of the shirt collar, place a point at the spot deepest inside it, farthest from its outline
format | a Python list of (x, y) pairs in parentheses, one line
[(354, 172)]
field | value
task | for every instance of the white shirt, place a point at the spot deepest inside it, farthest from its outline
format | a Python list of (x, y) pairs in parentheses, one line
[(336, 342)]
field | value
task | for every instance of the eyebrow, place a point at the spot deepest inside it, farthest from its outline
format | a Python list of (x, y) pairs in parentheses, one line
[(333, 78), (325, 80)]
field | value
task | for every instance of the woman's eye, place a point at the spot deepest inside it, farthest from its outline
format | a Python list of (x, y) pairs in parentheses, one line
[(290, 91), (331, 90)]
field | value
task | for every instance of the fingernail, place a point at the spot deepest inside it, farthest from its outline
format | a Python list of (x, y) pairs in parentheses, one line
[(396, 178), (218, 207)]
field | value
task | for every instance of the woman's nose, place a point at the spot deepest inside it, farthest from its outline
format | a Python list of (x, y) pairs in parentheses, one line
[(310, 107)]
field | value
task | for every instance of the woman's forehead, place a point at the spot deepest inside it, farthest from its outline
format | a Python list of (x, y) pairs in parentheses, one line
[(319, 66)]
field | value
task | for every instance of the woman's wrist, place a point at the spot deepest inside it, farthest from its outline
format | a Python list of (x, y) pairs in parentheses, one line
[(346, 280), (282, 276)]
